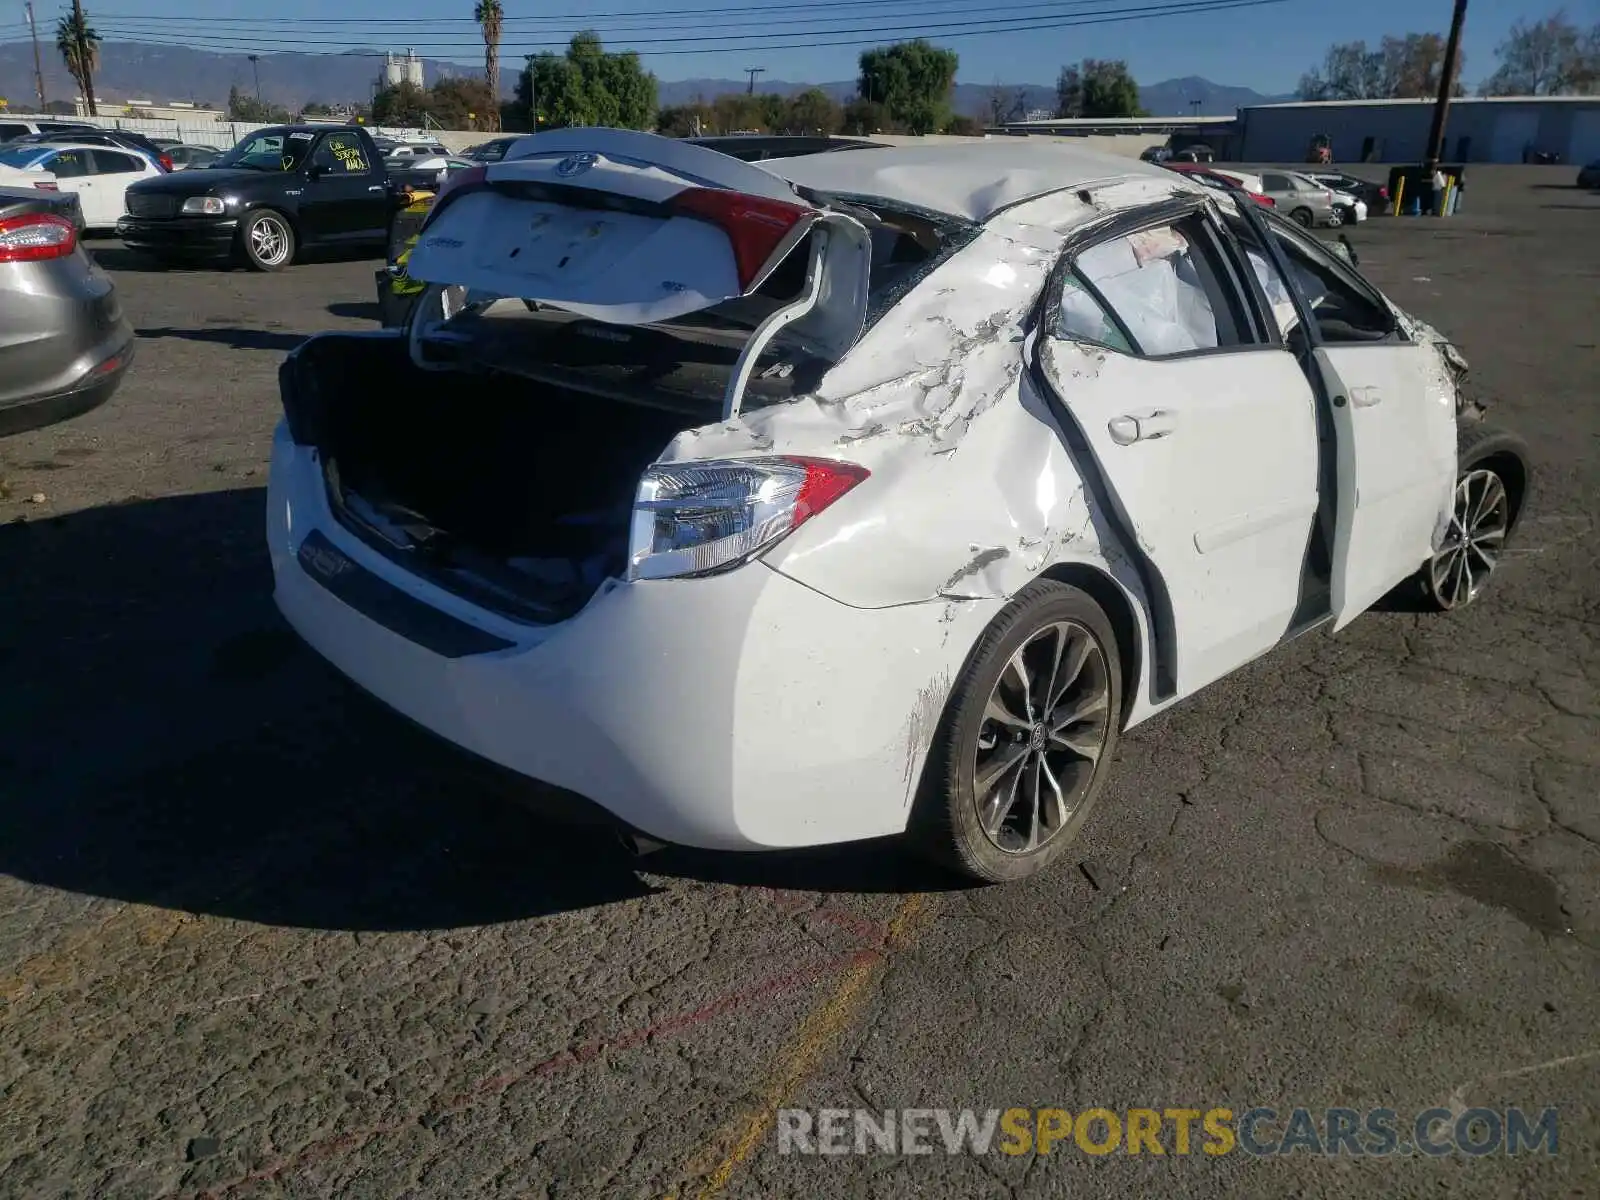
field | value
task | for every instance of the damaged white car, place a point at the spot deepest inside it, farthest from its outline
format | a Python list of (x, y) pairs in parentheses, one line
[(858, 494)]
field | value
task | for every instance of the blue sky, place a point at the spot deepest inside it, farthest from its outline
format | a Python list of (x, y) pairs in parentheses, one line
[(1265, 47)]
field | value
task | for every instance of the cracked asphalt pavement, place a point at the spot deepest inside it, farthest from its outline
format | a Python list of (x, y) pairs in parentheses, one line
[(258, 939)]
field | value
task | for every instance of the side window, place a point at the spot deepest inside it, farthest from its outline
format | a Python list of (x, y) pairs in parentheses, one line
[(7, 131), (1344, 311), (342, 153), (67, 164), (1080, 318), (111, 162), (1163, 288)]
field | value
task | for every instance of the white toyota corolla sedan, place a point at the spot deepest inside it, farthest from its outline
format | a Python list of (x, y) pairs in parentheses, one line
[(860, 493)]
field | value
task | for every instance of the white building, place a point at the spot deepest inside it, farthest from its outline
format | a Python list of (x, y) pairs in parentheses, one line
[(398, 69)]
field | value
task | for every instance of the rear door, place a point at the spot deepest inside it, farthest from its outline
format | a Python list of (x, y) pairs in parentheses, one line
[(1203, 428), (113, 171), (632, 228), (74, 172), (1393, 418)]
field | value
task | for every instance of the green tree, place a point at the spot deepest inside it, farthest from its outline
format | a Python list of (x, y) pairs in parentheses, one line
[(242, 107), (686, 120), (79, 45), (963, 126), (588, 86), (866, 117), (733, 112), (1405, 67), (1097, 87), (489, 16), (813, 111), (403, 104), (1552, 57), (315, 108), (912, 80), (462, 102)]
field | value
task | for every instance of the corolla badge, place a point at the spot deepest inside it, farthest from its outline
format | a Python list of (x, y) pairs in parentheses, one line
[(576, 164)]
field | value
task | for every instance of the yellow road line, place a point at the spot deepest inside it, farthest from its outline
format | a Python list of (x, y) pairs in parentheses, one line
[(806, 1048)]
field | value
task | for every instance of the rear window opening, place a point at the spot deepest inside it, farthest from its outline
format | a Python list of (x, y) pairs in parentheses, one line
[(505, 468)]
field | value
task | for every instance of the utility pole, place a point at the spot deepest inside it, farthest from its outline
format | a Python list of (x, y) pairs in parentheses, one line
[(255, 65), (1447, 85), (753, 72), (38, 70)]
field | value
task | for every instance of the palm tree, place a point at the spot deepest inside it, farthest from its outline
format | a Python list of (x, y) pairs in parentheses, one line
[(79, 45), (488, 14)]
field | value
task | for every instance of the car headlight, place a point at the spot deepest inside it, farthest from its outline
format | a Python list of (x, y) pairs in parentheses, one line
[(204, 206)]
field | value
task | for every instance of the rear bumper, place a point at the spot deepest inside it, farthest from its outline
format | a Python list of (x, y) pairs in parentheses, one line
[(735, 712), (90, 392), (197, 236)]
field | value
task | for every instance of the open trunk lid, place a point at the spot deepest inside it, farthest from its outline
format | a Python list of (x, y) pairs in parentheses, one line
[(631, 228)]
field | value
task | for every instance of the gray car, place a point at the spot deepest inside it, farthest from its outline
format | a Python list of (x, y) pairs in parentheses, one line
[(1300, 199), (184, 157), (64, 343)]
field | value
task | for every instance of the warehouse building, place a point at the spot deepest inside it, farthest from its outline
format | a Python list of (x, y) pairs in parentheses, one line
[(1509, 129)]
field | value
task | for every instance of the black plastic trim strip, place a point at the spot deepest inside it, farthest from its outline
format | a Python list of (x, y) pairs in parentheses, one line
[(386, 604)]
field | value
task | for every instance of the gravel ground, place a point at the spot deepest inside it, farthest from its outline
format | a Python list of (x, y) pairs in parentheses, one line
[(259, 940)]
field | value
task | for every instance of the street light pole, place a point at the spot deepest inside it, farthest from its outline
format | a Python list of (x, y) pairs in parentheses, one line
[(255, 65), (1447, 85), (38, 69)]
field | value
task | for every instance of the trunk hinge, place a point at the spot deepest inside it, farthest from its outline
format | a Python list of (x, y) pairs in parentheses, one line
[(770, 328)]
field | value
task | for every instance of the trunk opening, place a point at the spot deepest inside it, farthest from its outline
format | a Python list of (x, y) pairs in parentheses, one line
[(513, 493)]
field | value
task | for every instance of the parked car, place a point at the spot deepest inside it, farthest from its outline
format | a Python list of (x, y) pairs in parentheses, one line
[(1225, 181), (1301, 200), (1374, 195), (491, 151), (1589, 175), (12, 128), (1194, 154), (758, 147), (932, 471), (408, 150), (116, 139), (99, 175), (1155, 154), (282, 189), (66, 343), (183, 157), (419, 173)]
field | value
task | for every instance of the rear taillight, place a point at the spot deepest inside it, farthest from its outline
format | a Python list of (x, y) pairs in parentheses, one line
[(47, 185), (36, 237), (697, 518), (1383, 193), (166, 162), (755, 226)]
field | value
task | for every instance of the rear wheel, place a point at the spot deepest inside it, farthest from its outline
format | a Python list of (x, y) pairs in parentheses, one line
[(1336, 218), (1491, 489), (267, 240), (1303, 217), (1026, 740)]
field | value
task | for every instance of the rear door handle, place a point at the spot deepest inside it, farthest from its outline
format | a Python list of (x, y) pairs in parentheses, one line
[(1141, 427), (1365, 397)]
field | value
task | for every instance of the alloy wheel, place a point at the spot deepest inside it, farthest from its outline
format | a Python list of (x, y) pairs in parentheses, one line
[(269, 241), (1044, 728), (1479, 520)]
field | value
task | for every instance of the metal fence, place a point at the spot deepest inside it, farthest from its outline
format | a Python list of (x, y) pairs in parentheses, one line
[(223, 135)]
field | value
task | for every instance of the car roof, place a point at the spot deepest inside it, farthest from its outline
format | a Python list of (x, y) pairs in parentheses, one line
[(974, 180)]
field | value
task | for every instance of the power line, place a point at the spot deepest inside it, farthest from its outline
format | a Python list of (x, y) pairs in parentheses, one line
[(713, 44)]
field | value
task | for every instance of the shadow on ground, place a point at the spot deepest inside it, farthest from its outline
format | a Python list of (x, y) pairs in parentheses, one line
[(361, 311), (172, 743), (232, 336)]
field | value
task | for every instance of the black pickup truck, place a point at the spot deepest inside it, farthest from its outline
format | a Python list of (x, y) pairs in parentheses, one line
[(281, 190)]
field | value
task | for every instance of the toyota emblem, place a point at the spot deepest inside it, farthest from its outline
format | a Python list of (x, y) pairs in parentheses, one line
[(575, 164)]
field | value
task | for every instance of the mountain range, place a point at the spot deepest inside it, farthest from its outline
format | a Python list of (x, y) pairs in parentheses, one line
[(143, 71)]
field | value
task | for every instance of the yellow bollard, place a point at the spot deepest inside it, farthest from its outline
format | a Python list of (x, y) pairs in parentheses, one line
[(1399, 193)]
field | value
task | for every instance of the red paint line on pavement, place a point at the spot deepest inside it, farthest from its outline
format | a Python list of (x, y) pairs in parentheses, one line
[(765, 990)]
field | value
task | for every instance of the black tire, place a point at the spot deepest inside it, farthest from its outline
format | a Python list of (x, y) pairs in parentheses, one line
[(266, 240), (946, 822), (1303, 217), (1494, 478)]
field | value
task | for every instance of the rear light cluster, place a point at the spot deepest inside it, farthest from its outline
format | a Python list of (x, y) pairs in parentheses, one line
[(36, 237), (166, 162), (697, 518), (755, 226)]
